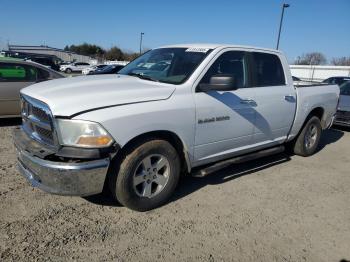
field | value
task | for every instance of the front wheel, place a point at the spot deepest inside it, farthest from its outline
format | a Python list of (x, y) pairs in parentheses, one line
[(307, 141), (147, 176), (68, 71)]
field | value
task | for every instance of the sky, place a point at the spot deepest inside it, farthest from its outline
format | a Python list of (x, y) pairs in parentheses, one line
[(309, 25)]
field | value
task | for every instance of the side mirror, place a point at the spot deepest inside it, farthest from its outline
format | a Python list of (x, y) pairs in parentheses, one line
[(221, 82)]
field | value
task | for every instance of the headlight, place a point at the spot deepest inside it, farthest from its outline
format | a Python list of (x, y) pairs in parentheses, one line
[(81, 133)]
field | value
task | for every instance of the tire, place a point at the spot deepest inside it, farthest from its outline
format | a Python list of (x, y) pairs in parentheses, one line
[(68, 71), (138, 188), (307, 141)]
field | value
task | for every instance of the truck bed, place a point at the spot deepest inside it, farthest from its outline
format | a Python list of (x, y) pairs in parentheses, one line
[(323, 96)]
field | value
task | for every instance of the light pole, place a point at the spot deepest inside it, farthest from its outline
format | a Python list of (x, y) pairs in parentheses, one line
[(279, 31), (141, 35)]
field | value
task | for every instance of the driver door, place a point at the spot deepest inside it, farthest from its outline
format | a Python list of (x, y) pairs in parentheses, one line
[(224, 119)]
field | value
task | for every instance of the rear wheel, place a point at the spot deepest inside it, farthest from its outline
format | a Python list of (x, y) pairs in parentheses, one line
[(309, 138), (147, 176), (68, 70)]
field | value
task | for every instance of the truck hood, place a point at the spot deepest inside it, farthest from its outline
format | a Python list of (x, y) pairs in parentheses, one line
[(344, 103), (70, 96)]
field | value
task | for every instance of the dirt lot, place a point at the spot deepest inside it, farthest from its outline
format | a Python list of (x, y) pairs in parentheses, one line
[(276, 209)]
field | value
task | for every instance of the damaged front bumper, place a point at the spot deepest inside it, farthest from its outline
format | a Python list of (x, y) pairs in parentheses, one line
[(57, 175)]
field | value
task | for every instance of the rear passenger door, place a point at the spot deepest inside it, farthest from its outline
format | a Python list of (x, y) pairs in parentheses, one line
[(275, 99)]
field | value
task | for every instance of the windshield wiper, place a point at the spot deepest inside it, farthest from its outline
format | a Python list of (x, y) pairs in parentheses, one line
[(145, 77)]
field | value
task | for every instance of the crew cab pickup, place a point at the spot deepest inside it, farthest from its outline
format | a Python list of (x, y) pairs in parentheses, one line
[(134, 133)]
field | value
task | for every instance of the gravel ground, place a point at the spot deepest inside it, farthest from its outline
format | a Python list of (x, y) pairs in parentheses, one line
[(281, 208)]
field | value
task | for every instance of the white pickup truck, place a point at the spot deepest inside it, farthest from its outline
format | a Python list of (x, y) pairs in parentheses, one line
[(174, 110)]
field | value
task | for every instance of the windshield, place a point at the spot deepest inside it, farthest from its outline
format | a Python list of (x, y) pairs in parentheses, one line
[(168, 65), (345, 89)]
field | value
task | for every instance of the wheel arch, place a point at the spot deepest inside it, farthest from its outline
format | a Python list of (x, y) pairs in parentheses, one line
[(169, 136), (317, 111), (297, 127)]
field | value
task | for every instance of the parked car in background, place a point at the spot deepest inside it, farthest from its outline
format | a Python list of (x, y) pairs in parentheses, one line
[(16, 74), (338, 80), (110, 69), (343, 112), (214, 105), (65, 63), (74, 67), (90, 69), (48, 61)]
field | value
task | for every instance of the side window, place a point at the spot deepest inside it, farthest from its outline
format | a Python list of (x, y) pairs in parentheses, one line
[(267, 70), (17, 73), (42, 74), (345, 89), (232, 63), (31, 73)]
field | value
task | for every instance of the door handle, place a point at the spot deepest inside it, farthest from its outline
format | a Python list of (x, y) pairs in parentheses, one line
[(289, 98), (248, 102)]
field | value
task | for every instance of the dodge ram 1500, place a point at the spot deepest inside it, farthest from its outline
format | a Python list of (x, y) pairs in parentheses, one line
[(175, 109)]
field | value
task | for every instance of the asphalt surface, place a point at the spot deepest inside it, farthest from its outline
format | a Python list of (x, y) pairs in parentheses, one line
[(280, 208)]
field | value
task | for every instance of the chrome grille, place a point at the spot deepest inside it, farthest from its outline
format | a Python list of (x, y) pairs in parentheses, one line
[(40, 114), (46, 135), (37, 120)]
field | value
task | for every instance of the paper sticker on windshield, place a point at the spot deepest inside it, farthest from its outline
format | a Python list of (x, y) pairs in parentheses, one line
[(197, 49)]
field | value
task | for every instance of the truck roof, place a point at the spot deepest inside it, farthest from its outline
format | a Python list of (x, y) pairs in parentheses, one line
[(214, 46)]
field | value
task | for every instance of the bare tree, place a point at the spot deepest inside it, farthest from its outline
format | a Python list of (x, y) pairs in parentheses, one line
[(341, 61), (314, 58)]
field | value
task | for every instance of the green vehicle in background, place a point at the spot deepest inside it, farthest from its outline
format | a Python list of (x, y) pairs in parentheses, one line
[(16, 74), (12, 72)]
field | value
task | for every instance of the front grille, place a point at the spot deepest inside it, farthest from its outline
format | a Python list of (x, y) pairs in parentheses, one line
[(343, 116), (40, 114), (37, 120), (44, 134)]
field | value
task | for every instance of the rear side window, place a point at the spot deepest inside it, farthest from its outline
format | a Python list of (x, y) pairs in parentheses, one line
[(267, 70), (17, 73)]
